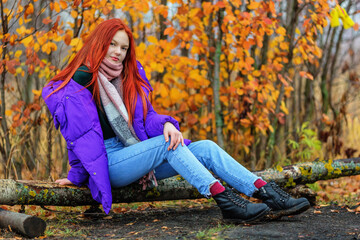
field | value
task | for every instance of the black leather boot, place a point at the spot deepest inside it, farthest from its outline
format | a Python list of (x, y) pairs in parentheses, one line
[(280, 202), (236, 209)]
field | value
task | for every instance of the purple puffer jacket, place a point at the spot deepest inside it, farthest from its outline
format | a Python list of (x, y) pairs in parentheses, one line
[(74, 111)]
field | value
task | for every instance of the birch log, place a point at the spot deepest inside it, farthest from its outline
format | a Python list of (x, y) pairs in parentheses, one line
[(45, 193), (29, 226)]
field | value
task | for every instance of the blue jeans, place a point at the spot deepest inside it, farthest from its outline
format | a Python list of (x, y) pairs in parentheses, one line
[(193, 162)]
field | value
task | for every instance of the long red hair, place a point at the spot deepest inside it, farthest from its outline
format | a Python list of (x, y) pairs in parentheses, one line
[(91, 55)]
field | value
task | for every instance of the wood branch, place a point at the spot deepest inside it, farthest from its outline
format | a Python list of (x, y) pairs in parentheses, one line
[(29, 226), (45, 193), (310, 172)]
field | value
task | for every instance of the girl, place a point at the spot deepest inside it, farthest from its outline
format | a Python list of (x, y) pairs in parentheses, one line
[(114, 137)]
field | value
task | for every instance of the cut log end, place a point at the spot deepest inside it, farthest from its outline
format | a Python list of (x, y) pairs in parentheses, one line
[(34, 227), (26, 225)]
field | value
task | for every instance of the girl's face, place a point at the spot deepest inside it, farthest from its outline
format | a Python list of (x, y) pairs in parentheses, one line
[(118, 47)]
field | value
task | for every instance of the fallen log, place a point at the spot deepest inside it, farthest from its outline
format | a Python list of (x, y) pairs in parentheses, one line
[(28, 226), (45, 193), (311, 172)]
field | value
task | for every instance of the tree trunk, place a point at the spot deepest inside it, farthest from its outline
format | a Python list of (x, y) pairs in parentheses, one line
[(216, 85), (29, 226), (45, 193)]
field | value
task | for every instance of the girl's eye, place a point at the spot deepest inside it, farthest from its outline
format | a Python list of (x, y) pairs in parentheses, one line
[(112, 44)]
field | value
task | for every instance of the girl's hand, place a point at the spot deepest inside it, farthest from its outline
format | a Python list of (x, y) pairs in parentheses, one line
[(63, 181), (175, 136)]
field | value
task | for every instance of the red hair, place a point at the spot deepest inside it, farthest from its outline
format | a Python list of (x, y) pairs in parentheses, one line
[(91, 55)]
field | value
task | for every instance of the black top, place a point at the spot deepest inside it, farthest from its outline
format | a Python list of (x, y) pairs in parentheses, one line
[(83, 78)]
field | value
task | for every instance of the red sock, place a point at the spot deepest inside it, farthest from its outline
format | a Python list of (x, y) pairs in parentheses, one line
[(216, 188), (259, 183)]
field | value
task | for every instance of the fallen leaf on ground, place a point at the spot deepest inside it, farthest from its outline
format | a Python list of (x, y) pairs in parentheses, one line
[(335, 211), (317, 212), (350, 210)]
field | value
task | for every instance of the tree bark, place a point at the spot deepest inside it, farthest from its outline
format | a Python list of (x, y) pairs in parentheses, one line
[(45, 193), (216, 84), (29, 226)]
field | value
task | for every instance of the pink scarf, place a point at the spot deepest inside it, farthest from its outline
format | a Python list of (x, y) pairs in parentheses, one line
[(110, 88), (110, 70)]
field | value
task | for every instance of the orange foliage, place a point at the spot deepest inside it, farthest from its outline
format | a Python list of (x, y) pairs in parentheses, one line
[(257, 55)]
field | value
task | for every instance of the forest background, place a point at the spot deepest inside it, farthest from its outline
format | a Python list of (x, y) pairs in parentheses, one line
[(272, 82)]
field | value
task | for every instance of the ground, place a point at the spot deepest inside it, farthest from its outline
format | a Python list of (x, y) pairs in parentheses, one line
[(336, 215), (201, 221)]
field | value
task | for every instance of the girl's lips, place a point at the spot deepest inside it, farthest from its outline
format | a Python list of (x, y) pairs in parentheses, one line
[(115, 59)]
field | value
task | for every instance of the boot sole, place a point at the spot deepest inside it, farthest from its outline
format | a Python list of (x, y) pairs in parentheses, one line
[(251, 220), (287, 212)]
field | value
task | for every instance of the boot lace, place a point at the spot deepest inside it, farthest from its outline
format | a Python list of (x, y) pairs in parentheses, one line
[(236, 199), (281, 192)]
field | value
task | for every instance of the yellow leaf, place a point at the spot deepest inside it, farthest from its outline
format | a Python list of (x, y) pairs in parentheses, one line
[(246, 148), (284, 108), (240, 91), (42, 39), (199, 98), (19, 70), (284, 45), (297, 60), (63, 4), (76, 43), (57, 7), (18, 53), (279, 168), (193, 12), (288, 91), (88, 15), (256, 73), (36, 92), (253, 5), (271, 128), (27, 41), (49, 47), (224, 100), (163, 91), (169, 31), (152, 39), (208, 8), (281, 31), (306, 75), (29, 9), (245, 122), (36, 47), (21, 30), (175, 95), (74, 14), (8, 112)]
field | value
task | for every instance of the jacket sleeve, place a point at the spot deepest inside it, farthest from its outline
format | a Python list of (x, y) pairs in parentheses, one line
[(154, 124), (77, 174)]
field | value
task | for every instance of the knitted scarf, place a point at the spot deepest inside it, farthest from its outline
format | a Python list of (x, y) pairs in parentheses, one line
[(110, 88)]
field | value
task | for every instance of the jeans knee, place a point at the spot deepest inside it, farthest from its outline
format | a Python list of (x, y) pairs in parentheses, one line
[(208, 144)]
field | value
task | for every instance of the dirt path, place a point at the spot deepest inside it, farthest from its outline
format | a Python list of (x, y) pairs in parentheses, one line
[(331, 222), (179, 223)]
